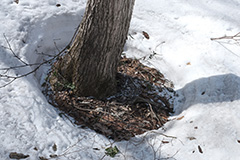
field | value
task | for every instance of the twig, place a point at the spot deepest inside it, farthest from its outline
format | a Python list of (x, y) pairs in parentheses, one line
[(227, 37), (228, 49), (8, 83), (10, 48), (130, 36), (234, 37), (89, 110), (152, 147), (34, 64), (56, 47), (103, 157), (20, 66), (154, 114), (67, 151), (139, 99)]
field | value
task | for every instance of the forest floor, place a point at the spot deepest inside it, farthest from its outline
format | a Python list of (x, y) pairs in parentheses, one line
[(143, 102)]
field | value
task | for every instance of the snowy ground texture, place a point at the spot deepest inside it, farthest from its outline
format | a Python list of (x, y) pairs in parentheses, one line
[(205, 73)]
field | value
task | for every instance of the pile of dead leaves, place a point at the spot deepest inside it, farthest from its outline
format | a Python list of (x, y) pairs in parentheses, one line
[(143, 102)]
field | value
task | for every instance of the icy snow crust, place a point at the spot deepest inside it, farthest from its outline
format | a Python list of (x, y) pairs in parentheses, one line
[(205, 73)]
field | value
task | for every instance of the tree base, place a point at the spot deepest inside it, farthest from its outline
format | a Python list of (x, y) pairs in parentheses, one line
[(142, 103)]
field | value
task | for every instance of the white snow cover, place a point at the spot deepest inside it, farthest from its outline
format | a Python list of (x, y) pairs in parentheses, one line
[(205, 73)]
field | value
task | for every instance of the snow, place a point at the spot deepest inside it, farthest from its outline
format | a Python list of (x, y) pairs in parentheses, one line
[(205, 74)]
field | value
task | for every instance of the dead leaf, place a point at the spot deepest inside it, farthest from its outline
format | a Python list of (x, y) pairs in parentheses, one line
[(54, 147), (191, 138), (200, 149), (58, 5), (189, 63), (238, 141), (42, 158), (180, 118), (16, 1), (146, 35), (165, 141), (15, 155)]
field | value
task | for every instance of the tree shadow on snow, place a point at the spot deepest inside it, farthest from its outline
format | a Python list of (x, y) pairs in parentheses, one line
[(215, 89)]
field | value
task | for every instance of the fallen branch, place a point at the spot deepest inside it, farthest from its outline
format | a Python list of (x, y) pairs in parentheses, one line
[(235, 38), (228, 37)]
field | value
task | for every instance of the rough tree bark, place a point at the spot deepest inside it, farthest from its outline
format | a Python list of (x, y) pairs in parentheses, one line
[(92, 60)]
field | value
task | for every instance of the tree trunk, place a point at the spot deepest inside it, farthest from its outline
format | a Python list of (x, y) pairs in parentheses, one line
[(92, 60)]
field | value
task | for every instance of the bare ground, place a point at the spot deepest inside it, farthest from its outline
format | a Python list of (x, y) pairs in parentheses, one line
[(143, 102)]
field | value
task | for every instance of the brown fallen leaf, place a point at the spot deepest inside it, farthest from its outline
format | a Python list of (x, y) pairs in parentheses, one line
[(54, 147), (146, 35), (15, 155), (200, 149), (191, 138), (16, 1), (42, 158), (189, 63), (180, 118), (165, 141)]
